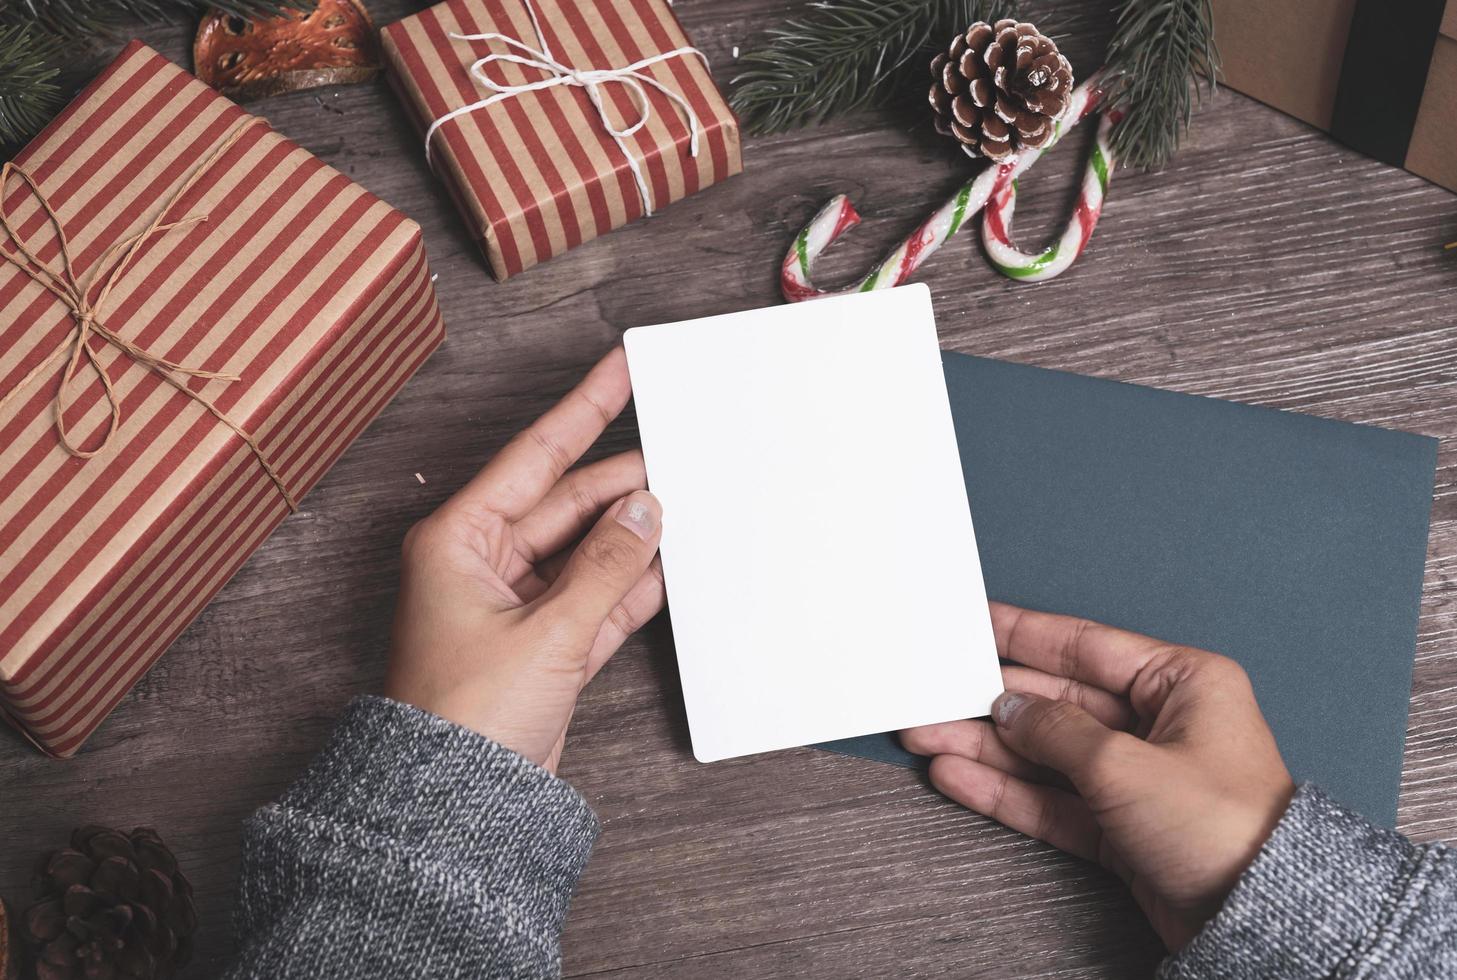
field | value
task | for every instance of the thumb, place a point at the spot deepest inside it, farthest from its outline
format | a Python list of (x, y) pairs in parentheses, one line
[(609, 561), (1059, 735)]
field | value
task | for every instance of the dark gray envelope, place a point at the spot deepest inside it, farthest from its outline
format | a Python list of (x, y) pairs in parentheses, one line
[(1293, 544)]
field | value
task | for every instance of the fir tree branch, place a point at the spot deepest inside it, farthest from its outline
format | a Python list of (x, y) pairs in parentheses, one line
[(1161, 58), (29, 91), (844, 55), (72, 18), (33, 33)]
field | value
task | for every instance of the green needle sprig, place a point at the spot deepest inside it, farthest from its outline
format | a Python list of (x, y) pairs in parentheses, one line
[(1161, 59), (844, 55), (34, 35), (29, 92)]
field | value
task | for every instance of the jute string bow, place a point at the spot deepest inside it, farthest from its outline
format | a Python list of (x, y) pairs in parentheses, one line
[(590, 80), (86, 304)]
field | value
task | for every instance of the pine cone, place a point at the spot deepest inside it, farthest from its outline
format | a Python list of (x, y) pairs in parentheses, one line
[(1000, 87), (111, 906)]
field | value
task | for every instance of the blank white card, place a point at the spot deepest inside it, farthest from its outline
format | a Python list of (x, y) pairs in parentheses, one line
[(821, 568)]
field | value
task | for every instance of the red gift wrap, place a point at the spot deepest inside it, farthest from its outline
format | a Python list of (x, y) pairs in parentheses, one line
[(197, 317), (539, 171)]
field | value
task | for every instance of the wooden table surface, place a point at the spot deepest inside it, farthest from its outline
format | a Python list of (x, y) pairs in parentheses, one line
[(1267, 264)]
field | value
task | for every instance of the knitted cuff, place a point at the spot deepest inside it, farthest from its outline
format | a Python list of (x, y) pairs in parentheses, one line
[(1315, 901), (404, 779)]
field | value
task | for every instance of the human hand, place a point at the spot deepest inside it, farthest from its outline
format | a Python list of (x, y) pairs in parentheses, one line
[(500, 623), (1149, 758)]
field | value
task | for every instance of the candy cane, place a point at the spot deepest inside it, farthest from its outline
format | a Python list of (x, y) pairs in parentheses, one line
[(996, 224), (995, 184)]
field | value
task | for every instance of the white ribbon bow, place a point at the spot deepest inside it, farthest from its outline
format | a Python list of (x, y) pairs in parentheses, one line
[(591, 80)]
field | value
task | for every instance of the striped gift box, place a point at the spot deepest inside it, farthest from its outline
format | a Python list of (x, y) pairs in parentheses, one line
[(539, 172), (280, 271)]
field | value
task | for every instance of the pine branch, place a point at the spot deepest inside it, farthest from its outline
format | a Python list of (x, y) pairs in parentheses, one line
[(1161, 58), (29, 91), (33, 34), (844, 55), (72, 18)]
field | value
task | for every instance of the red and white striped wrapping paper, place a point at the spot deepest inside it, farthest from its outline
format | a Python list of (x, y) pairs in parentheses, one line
[(538, 173), (312, 290)]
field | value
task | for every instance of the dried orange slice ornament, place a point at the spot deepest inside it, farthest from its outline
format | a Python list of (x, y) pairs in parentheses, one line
[(334, 44)]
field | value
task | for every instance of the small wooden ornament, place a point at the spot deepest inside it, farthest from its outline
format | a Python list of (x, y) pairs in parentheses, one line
[(334, 44)]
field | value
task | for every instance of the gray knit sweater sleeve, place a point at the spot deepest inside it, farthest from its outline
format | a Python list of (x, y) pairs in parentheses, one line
[(1331, 895), (411, 847), (416, 848)]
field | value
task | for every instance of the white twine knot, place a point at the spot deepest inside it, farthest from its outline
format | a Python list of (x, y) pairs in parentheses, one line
[(590, 80)]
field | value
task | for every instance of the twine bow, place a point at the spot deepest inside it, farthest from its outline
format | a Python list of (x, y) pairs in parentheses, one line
[(590, 80), (85, 309)]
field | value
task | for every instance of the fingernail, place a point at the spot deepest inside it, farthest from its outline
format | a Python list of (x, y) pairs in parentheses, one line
[(1007, 707), (639, 513)]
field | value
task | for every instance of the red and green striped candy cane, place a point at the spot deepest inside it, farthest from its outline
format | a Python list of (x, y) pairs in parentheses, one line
[(996, 223), (995, 189)]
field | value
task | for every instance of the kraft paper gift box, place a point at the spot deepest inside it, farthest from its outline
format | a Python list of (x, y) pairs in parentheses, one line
[(506, 95), (1381, 78), (238, 312)]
